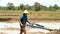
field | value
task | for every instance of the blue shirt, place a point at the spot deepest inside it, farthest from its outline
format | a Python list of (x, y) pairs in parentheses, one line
[(23, 19)]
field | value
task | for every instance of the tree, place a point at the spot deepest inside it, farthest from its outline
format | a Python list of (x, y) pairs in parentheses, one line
[(21, 7), (37, 6), (55, 7), (10, 6), (43, 7), (50, 8), (28, 7), (3, 8)]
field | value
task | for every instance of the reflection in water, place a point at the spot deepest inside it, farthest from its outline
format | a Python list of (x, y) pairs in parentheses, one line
[(16, 25), (51, 25)]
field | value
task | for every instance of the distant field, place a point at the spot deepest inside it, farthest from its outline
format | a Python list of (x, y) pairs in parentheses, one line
[(32, 14)]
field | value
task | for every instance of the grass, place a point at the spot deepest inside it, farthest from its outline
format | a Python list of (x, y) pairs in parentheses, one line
[(32, 14), (54, 15)]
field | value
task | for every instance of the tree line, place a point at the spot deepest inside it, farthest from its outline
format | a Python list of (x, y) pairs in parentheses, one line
[(36, 7)]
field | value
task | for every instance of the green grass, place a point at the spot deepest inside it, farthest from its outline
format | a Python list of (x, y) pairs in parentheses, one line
[(10, 10), (44, 14), (54, 15)]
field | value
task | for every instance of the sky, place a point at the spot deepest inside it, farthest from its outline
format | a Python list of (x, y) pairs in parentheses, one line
[(30, 2)]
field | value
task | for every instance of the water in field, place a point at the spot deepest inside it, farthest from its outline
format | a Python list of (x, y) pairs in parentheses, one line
[(16, 25)]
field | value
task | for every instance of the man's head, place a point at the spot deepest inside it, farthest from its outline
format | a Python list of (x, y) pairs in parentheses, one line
[(25, 12)]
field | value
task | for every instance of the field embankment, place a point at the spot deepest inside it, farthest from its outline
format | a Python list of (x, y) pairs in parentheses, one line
[(33, 15)]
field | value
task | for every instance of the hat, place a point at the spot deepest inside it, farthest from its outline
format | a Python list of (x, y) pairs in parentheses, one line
[(25, 11)]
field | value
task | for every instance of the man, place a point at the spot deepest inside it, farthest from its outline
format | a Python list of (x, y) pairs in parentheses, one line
[(23, 20)]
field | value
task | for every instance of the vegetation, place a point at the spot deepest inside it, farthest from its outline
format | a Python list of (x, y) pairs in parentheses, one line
[(36, 11), (36, 7)]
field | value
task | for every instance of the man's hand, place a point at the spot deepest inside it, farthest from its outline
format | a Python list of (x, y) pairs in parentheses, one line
[(21, 24), (28, 22)]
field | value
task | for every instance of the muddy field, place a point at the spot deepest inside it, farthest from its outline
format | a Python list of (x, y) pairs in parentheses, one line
[(9, 22), (14, 28), (41, 15)]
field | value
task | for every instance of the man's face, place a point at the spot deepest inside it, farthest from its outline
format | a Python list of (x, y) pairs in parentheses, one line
[(25, 14)]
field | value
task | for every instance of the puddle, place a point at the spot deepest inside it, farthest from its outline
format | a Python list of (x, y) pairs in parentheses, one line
[(16, 25)]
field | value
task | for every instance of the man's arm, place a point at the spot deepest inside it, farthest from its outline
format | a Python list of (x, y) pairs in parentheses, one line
[(28, 22), (20, 23)]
